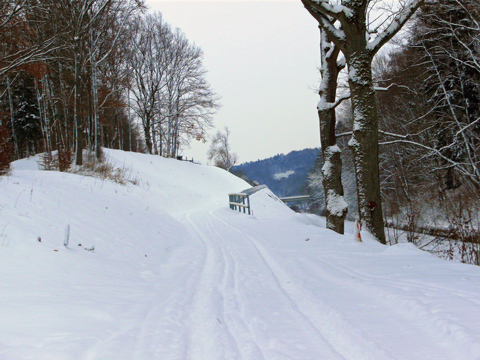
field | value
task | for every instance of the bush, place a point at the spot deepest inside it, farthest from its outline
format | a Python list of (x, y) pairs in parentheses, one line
[(64, 158), (103, 169), (6, 149)]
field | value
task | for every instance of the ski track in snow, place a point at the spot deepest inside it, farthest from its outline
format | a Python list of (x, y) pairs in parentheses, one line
[(242, 327), (328, 322), (325, 322), (213, 314), (216, 284)]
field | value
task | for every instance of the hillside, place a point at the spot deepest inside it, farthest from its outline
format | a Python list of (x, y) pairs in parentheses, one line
[(165, 270), (285, 175)]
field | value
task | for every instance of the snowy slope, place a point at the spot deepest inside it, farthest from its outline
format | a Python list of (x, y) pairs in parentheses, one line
[(175, 274)]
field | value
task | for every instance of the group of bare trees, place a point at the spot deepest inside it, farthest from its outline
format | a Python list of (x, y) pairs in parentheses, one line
[(443, 52), (431, 151), (416, 111), (78, 74), (169, 91)]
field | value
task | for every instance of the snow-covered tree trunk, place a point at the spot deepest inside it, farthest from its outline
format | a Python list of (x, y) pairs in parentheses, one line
[(12, 117), (76, 108), (364, 142), (154, 138), (94, 64), (336, 207), (44, 119), (148, 134), (129, 121)]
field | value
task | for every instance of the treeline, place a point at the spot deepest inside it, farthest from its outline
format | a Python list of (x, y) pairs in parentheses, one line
[(81, 74), (428, 95), (433, 108)]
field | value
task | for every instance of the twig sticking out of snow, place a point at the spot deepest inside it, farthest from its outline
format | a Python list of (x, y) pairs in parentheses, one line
[(67, 236)]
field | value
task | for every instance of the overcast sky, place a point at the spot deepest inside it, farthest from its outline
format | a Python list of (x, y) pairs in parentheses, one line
[(262, 58)]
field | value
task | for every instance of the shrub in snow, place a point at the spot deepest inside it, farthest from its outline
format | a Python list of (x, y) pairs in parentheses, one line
[(103, 169), (6, 150)]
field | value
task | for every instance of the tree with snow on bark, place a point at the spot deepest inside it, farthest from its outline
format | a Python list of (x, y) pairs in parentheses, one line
[(348, 26)]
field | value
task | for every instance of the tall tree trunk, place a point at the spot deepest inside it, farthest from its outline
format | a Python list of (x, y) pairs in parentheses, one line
[(65, 136), (154, 138), (335, 205), (364, 141), (49, 117), (169, 134), (96, 143), (77, 123), (129, 121), (44, 123), (50, 101), (175, 141), (12, 118), (148, 135)]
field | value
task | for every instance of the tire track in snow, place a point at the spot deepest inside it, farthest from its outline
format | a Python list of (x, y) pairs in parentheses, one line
[(161, 324), (207, 338), (238, 325), (288, 291), (163, 315), (330, 324), (147, 320), (423, 328), (256, 338)]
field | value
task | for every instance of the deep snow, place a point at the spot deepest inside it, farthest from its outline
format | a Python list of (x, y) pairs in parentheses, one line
[(176, 274)]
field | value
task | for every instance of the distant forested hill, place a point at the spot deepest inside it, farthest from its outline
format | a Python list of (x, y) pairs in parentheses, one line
[(285, 175)]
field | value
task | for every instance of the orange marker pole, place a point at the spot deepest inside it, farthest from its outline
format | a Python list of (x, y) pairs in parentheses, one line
[(358, 237)]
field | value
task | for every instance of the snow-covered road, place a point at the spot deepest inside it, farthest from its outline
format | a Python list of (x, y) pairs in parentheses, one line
[(177, 275)]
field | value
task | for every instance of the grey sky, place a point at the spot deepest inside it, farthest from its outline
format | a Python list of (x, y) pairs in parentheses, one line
[(262, 59)]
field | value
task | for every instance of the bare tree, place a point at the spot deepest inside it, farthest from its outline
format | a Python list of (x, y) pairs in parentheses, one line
[(431, 151), (169, 91), (220, 151), (442, 120), (335, 206), (88, 23), (21, 41), (101, 62), (151, 39), (348, 27), (103, 39), (189, 102)]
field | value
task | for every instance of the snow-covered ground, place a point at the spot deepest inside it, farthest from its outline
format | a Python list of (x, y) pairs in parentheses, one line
[(176, 274)]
